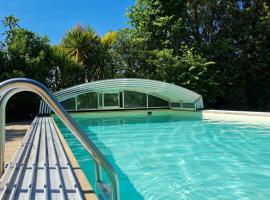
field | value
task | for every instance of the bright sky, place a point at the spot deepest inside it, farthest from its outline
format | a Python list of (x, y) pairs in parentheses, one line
[(54, 17)]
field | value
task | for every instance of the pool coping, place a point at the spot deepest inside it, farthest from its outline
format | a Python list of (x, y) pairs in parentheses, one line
[(256, 118), (86, 187), (233, 112)]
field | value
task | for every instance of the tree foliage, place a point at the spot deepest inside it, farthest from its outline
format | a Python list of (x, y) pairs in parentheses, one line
[(66, 71), (82, 44), (220, 49), (24, 54)]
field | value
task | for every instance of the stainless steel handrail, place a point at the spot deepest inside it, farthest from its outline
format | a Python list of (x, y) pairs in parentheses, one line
[(10, 87)]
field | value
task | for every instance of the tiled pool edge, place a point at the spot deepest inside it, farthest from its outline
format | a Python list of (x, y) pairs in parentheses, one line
[(87, 189)]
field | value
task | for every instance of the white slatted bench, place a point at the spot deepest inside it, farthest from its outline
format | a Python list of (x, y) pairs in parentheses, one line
[(40, 168)]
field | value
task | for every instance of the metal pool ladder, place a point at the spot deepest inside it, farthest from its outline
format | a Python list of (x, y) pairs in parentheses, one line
[(10, 87)]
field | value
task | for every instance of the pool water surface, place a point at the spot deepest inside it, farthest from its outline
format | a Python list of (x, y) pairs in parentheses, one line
[(176, 155)]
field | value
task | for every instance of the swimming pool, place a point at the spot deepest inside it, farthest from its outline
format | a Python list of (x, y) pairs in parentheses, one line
[(177, 155)]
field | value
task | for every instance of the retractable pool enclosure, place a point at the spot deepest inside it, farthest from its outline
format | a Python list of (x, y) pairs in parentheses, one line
[(128, 93)]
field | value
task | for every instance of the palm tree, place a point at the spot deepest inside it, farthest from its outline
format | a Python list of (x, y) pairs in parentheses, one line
[(81, 44)]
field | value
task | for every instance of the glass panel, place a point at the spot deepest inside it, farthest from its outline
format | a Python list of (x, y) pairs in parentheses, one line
[(174, 104), (135, 99), (121, 99), (100, 100), (87, 101), (69, 104), (156, 102), (188, 105), (111, 99)]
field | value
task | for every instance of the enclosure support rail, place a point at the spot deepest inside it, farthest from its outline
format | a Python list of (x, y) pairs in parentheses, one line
[(10, 87)]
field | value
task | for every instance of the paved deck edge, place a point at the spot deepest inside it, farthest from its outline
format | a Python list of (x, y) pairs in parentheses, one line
[(87, 189), (232, 112), (260, 118)]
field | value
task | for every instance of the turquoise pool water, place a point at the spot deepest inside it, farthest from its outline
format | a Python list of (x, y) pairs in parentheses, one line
[(177, 155)]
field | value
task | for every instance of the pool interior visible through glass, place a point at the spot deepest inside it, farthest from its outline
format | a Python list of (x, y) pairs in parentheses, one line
[(177, 155)]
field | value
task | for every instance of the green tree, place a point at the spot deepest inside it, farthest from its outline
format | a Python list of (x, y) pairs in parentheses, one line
[(108, 55), (160, 22), (65, 70), (130, 55), (82, 44), (11, 23), (29, 54), (3, 60), (235, 34), (24, 54)]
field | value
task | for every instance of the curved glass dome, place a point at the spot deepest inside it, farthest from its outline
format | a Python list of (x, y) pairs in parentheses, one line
[(128, 93)]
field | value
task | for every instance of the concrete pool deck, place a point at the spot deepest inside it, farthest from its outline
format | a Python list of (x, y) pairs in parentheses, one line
[(237, 116), (15, 133)]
